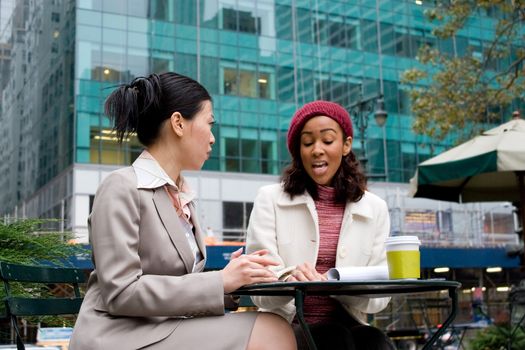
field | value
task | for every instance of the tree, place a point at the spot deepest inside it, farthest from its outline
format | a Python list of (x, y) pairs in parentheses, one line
[(464, 92)]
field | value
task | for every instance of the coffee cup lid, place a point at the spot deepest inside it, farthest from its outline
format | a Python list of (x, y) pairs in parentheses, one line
[(403, 240)]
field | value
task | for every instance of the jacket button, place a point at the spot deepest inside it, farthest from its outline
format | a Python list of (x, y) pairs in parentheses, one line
[(342, 252)]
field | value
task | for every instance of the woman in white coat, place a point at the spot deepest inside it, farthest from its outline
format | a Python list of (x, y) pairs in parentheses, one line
[(318, 217)]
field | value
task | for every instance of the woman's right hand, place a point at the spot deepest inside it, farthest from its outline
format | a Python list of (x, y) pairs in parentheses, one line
[(246, 269), (306, 272)]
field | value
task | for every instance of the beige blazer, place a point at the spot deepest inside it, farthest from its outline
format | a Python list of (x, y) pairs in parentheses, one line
[(142, 286), (289, 228)]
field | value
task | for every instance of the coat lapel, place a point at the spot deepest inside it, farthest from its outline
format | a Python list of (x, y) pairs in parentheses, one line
[(199, 237), (175, 230)]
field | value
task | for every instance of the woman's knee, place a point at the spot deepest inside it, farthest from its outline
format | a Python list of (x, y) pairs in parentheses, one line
[(271, 331)]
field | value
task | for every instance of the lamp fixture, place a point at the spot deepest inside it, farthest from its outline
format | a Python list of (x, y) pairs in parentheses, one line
[(380, 114), (360, 111), (441, 269), (494, 269)]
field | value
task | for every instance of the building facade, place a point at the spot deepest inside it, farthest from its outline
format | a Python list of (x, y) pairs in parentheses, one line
[(260, 60)]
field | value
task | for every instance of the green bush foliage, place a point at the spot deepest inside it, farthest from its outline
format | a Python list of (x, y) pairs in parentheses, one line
[(498, 337), (26, 242), (30, 242)]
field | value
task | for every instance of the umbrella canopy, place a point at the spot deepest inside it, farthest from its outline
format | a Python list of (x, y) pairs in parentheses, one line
[(489, 167), (485, 168)]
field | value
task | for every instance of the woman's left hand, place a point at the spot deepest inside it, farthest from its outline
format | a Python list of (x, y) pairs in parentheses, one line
[(305, 272)]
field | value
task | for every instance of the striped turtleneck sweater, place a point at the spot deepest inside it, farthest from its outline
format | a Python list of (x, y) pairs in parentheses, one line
[(330, 215)]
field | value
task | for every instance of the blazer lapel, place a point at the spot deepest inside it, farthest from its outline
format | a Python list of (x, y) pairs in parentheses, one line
[(171, 222), (199, 237)]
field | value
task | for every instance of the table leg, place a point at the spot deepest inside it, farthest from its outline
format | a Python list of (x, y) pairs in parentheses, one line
[(299, 303), (453, 293)]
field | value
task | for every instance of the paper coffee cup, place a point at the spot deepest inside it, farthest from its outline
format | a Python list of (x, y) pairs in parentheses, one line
[(402, 255)]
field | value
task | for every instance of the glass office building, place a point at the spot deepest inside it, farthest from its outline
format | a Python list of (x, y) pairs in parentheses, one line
[(260, 60)]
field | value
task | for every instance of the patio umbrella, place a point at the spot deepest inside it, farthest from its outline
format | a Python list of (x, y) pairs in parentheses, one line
[(489, 167)]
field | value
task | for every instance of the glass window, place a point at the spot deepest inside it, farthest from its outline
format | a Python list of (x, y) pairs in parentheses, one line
[(250, 153), (91, 18), (186, 64), (115, 6), (138, 40), (104, 148), (444, 221), (138, 25), (88, 55), (232, 154), (114, 21), (89, 33), (114, 37), (55, 17), (210, 14), (230, 86), (266, 14), (137, 64), (186, 12), (161, 65), (159, 9), (369, 36), (269, 153), (235, 217), (264, 83), (497, 222), (334, 31), (90, 4), (285, 84), (337, 89), (113, 67), (241, 21), (138, 8), (248, 83), (303, 25), (210, 78), (284, 24)]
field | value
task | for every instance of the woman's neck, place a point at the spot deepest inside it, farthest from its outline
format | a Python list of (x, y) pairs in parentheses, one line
[(167, 161)]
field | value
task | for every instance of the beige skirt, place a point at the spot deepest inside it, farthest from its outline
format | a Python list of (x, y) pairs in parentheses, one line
[(230, 332)]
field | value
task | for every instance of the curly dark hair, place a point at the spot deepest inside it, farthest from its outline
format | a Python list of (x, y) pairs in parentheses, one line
[(349, 181)]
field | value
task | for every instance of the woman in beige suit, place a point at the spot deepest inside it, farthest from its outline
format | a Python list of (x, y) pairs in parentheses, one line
[(148, 290), (322, 216)]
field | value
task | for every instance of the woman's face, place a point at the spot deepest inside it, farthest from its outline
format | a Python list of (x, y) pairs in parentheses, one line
[(198, 138), (322, 147)]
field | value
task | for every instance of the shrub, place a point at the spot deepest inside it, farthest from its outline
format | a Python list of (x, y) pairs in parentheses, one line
[(498, 337)]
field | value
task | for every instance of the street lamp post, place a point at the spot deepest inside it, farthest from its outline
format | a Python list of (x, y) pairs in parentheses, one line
[(360, 112)]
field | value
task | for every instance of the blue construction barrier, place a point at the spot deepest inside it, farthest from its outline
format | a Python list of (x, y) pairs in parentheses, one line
[(431, 257)]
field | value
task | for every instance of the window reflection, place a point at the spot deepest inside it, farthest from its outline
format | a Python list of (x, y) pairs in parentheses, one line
[(241, 21), (235, 217), (248, 83), (108, 74), (336, 31), (105, 149), (249, 154), (230, 82)]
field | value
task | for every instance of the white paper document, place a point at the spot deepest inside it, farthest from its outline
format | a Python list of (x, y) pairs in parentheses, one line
[(358, 273)]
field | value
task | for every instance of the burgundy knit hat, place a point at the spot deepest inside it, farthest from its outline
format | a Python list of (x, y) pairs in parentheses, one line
[(313, 109)]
